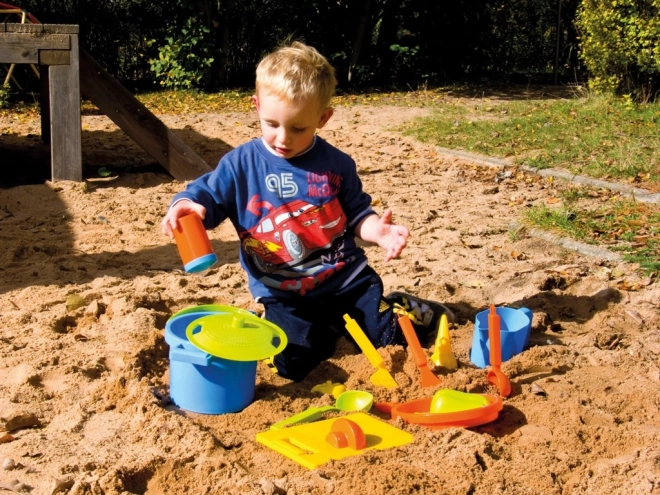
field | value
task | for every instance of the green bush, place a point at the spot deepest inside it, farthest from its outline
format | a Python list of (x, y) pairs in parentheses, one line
[(4, 95), (620, 45), (185, 59)]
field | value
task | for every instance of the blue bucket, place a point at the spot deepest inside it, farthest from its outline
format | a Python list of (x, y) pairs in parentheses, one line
[(200, 382), (515, 327)]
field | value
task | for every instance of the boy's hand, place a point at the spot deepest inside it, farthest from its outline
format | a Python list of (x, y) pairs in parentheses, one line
[(180, 209), (392, 238)]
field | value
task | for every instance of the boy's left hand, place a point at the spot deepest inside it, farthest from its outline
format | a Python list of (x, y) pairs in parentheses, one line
[(381, 231), (391, 237)]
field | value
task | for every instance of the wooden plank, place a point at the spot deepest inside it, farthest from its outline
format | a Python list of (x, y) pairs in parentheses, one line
[(65, 123), (44, 104), (17, 54), (54, 57), (31, 41), (138, 122), (15, 27), (61, 28)]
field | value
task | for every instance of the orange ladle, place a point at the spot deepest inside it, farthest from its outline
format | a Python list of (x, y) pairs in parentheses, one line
[(495, 375)]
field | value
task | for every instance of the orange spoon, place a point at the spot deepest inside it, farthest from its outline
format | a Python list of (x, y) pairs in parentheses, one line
[(495, 376)]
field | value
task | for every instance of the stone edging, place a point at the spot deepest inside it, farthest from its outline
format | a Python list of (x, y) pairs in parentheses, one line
[(638, 194), (566, 242)]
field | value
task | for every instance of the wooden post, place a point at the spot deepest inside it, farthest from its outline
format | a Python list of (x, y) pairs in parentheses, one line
[(65, 123)]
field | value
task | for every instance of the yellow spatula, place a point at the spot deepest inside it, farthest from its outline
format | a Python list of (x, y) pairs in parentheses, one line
[(381, 377)]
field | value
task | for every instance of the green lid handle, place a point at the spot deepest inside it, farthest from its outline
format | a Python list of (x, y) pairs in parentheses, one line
[(308, 415)]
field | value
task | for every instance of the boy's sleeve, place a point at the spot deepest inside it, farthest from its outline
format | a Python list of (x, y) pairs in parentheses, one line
[(211, 190), (355, 202)]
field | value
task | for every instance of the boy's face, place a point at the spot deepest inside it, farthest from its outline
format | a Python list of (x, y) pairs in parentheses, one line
[(289, 127)]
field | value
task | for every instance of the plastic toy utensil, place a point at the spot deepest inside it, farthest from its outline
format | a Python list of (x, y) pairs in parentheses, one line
[(448, 400), (428, 378), (349, 401), (381, 377), (419, 412), (442, 354), (308, 444), (334, 389), (345, 433), (495, 376)]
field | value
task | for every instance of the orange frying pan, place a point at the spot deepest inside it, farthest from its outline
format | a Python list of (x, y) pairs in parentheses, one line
[(418, 412)]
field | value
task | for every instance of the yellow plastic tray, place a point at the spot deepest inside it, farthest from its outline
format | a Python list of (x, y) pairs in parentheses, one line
[(306, 444)]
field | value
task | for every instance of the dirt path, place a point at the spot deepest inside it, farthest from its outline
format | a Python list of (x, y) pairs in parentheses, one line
[(88, 283)]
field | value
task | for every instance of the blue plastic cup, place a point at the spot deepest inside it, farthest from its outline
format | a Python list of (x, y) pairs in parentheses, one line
[(515, 328)]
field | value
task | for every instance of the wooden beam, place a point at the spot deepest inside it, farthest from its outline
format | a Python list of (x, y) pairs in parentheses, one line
[(54, 57), (17, 27), (61, 28), (65, 124), (17, 54), (17, 48), (138, 122)]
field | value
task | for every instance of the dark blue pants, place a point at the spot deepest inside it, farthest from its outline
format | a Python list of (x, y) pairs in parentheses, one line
[(309, 322)]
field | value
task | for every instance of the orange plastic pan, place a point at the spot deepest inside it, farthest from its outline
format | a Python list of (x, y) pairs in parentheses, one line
[(418, 412)]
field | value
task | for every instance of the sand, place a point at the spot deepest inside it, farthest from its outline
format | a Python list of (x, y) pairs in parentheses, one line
[(88, 283)]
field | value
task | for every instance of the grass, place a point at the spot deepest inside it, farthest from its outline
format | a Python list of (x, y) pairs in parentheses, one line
[(597, 136), (622, 225)]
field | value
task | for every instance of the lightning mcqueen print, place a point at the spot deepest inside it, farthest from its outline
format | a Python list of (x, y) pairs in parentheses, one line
[(290, 233)]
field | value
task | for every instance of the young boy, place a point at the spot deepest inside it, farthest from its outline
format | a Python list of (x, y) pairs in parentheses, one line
[(297, 205)]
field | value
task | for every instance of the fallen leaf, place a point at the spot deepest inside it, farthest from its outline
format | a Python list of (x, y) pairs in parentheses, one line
[(6, 438), (635, 316), (537, 390)]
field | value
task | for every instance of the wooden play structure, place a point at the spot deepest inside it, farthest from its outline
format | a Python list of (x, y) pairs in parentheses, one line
[(68, 72)]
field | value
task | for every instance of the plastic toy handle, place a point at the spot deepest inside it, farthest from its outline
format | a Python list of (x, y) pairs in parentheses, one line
[(345, 433), (413, 342), (494, 337), (190, 356), (363, 342), (308, 415), (329, 387)]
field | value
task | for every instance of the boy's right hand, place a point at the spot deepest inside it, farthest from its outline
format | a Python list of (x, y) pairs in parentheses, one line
[(180, 209)]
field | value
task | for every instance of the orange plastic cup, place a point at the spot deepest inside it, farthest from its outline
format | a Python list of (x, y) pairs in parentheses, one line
[(194, 244)]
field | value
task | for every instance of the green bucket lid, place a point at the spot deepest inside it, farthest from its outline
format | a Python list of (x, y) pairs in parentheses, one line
[(237, 336)]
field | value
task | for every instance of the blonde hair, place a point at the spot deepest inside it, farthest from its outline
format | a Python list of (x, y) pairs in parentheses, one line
[(297, 72)]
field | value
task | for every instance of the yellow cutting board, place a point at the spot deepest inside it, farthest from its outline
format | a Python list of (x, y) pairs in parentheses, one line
[(306, 444)]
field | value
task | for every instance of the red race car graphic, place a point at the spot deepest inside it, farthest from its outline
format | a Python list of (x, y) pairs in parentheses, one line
[(290, 233)]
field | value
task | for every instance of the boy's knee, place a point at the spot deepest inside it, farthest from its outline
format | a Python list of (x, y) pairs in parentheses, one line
[(295, 369)]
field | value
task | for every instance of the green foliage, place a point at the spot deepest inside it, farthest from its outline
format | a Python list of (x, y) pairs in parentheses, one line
[(4, 96), (620, 45), (183, 62), (402, 44)]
